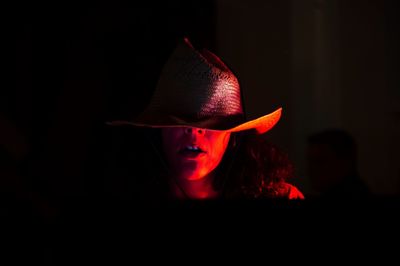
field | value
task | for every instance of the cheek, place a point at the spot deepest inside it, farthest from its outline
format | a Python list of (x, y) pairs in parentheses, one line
[(169, 143), (219, 148)]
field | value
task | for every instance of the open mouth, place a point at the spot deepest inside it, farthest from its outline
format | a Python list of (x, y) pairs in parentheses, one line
[(191, 151)]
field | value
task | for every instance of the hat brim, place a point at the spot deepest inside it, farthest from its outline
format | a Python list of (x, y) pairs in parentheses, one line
[(227, 124)]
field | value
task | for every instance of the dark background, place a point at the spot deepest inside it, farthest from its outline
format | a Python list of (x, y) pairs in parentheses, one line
[(75, 65)]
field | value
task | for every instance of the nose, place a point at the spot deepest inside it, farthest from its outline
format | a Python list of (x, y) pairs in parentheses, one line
[(193, 130)]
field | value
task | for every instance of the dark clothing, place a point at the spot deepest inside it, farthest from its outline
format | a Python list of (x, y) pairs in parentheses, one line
[(351, 188)]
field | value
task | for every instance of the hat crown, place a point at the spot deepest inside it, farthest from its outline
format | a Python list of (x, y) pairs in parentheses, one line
[(196, 86)]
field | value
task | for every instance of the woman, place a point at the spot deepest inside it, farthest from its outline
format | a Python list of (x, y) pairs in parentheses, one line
[(205, 147)]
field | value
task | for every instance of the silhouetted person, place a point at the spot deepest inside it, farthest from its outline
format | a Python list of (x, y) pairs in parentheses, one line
[(332, 159)]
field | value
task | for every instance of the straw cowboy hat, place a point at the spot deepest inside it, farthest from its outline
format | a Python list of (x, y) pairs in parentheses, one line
[(196, 89)]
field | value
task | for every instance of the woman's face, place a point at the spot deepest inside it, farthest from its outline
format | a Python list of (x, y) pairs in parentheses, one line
[(193, 153)]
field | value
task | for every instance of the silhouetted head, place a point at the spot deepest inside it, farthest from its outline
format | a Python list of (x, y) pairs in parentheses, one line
[(332, 157)]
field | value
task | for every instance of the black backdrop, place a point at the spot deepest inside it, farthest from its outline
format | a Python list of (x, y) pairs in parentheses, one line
[(75, 65)]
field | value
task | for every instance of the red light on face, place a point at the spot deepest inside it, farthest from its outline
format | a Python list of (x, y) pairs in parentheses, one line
[(193, 153)]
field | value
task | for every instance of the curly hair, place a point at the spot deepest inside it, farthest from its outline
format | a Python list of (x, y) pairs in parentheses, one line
[(259, 168)]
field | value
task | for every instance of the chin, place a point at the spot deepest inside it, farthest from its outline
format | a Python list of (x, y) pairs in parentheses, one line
[(193, 176), (190, 171)]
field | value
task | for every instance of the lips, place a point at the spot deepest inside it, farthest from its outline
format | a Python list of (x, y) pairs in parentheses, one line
[(192, 151)]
